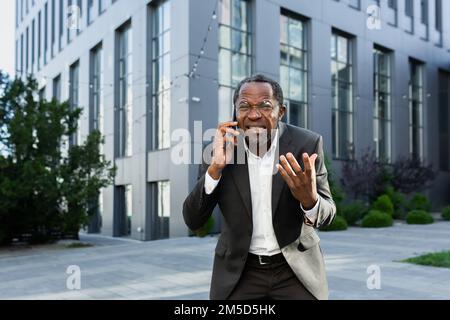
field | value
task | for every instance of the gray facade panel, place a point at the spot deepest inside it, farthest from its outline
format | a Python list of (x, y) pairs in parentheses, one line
[(188, 28)]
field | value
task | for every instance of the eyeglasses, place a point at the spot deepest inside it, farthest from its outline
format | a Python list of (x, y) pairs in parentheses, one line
[(265, 107)]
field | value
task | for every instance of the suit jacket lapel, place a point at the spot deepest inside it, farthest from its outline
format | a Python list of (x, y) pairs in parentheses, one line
[(241, 179), (278, 183)]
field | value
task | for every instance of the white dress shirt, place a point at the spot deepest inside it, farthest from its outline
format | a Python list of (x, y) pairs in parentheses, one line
[(260, 170)]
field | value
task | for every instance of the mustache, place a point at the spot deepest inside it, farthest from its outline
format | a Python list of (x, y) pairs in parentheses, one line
[(259, 136)]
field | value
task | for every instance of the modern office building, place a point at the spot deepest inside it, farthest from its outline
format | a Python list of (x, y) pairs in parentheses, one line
[(362, 73)]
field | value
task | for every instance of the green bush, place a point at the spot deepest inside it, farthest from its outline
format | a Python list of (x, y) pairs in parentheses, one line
[(419, 217), (206, 229), (383, 204), (446, 213), (377, 219), (398, 201), (338, 223), (419, 202), (353, 211)]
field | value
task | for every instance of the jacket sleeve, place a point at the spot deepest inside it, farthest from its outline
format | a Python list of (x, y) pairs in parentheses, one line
[(198, 206), (327, 208)]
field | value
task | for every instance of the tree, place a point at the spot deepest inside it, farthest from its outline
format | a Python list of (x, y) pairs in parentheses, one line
[(45, 187)]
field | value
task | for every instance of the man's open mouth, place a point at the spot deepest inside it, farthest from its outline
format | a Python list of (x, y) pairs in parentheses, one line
[(255, 127)]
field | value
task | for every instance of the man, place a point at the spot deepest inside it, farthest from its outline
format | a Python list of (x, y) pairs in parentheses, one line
[(268, 247)]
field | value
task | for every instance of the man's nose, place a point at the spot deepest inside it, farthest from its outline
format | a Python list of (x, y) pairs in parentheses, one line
[(254, 114)]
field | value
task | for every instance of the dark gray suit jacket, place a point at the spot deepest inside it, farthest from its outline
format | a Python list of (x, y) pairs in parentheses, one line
[(298, 242)]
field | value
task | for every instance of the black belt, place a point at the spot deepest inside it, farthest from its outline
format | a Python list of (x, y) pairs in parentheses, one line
[(262, 260)]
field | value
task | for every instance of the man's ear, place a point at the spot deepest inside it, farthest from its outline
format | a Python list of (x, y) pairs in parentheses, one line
[(281, 112)]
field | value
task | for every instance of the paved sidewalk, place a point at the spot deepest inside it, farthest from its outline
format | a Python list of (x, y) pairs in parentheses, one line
[(181, 268)]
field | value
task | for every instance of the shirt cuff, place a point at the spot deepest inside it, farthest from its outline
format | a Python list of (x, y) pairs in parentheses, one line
[(311, 214), (210, 183)]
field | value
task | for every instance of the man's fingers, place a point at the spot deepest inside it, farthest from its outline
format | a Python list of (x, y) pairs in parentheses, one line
[(293, 163), (227, 124), (284, 163), (312, 159), (309, 163), (306, 163), (285, 176), (229, 130)]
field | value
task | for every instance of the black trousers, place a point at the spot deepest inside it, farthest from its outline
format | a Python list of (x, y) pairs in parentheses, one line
[(273, 280)]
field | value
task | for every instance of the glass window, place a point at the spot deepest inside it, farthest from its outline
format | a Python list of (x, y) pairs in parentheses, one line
[(33, 33), (16, 60), (69, 21), (39, 41), (342, 97), (57, 88), (163, 196), (45, 32), (124, 102), (53, 27), (355, 4), (409, 8), (438, 15), (392, 4), (61, 23), (128, 208), (80, 15), (416, 109), (444, 111), (293, 68), (101, 6), (27, 41), (234, 50), (90, 11), (161, 103), (424, 11), (42, 94), (17, 13), (21, 54), (382, 104), (74, 17), (74, 95), (96, 89), (124, 206), (393, 19), (409, 13)]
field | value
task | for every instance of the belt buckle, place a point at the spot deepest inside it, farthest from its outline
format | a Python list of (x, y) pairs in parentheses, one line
[(260, 261)]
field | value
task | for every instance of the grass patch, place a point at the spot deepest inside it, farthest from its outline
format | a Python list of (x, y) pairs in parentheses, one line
[(74, 245), (436, 259)]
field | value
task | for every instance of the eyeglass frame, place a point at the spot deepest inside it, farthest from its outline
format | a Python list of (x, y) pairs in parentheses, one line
[(258, 107)]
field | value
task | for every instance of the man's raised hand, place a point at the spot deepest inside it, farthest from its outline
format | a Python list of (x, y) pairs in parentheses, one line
[(301, 183), (222, 148)]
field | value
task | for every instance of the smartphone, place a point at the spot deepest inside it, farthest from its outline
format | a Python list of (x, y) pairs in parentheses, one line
[(234, 118)]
